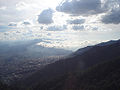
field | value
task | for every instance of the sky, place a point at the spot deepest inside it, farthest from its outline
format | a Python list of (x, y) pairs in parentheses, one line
[(67, 24)]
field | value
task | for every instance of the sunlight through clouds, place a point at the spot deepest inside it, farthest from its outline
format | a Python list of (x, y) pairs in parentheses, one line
[(62, 23)]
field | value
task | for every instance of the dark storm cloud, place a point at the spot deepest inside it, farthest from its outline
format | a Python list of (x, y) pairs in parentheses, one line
[(113, 17), (80, 7), (76, 21), (46, 17), (90, 7)]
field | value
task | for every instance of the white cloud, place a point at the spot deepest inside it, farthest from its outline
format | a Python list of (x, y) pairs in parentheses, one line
[(57, 28), (21, 6), (3, 8)]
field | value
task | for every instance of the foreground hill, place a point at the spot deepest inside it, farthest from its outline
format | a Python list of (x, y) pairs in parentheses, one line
[(104, 76), (78, 62)]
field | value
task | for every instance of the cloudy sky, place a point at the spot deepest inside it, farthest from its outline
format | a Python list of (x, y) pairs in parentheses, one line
[(68, 24)]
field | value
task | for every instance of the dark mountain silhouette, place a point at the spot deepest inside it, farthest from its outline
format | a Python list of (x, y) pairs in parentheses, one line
[(54, 75), (4, 86), (107, 43), (104, 76)]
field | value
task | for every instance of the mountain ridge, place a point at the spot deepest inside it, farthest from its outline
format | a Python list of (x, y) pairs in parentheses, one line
[(93, 56)]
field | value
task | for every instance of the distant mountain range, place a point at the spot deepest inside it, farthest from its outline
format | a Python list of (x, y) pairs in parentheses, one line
[(28, 50), (91, 68)]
